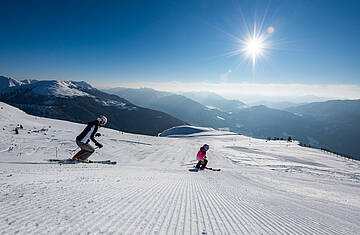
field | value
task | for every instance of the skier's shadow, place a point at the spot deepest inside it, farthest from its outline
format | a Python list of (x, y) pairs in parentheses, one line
[(194, 170)]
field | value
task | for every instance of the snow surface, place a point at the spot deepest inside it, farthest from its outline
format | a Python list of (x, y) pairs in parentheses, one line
[(268, 187)]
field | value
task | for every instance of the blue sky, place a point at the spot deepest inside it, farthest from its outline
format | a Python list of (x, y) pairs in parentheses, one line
[(151, 42)]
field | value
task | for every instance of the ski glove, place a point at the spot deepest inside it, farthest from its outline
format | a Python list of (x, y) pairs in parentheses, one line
[(99, 145), (97, 134)]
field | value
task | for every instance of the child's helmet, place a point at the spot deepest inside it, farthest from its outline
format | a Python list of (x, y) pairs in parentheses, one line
[(103, 120), (206, 147)]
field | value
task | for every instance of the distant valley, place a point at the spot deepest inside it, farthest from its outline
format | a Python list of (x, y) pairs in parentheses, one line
[(331, 124)]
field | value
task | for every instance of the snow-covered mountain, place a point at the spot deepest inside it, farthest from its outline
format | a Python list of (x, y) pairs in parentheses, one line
[(6, 82), (264, 187), (80, 102), (52, 88)]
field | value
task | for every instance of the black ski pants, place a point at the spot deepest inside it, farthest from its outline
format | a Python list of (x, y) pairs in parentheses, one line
[(202, 164)]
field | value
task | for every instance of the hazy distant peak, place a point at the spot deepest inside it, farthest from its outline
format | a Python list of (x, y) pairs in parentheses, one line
[(214, 100), (259, 107), (203, 95), (143, 90)]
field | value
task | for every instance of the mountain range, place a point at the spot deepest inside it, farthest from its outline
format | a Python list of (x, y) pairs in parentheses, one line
[(332, 125), (211, 99), (80, 102)]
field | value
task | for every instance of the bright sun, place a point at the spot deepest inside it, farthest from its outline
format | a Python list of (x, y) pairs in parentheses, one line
[(254, 47)]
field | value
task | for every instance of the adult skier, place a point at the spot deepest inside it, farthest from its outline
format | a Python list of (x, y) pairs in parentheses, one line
[(86, 135), (201, 157)]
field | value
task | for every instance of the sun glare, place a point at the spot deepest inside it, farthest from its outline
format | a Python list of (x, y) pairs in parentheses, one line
[(254, 47)]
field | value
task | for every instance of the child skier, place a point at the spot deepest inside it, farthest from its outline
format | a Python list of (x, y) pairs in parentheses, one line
[(201, 157), (83, 139)]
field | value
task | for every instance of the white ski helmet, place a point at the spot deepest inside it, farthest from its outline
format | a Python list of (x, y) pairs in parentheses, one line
[(102, 119)]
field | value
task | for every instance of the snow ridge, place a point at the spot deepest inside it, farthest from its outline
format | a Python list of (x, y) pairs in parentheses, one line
[(58, 89)]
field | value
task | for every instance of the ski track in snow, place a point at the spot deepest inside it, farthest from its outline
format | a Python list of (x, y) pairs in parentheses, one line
[(264, 187)]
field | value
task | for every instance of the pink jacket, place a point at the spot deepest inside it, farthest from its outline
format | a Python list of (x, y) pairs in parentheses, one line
[(200, 155)]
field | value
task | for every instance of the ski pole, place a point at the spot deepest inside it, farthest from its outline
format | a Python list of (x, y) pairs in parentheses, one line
[(74, 158), (75, 150), (189, 164)]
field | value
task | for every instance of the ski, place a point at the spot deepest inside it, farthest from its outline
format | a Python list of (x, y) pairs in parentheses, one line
[(100, 162), (64, 161), (55, 160), (212, 169), (77, 161), (206, 168), (59, 160)]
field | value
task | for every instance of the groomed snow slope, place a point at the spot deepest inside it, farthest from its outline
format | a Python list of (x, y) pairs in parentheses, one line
[(264, 187)]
